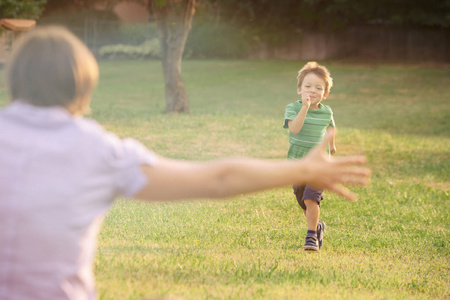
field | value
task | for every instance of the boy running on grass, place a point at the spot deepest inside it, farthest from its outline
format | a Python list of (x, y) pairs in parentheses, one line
[(308, 121)]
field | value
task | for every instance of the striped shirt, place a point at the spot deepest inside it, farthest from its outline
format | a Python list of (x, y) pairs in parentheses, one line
[(313, 130)]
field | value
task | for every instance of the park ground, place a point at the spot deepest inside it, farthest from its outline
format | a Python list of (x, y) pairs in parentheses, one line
[(391, 244)]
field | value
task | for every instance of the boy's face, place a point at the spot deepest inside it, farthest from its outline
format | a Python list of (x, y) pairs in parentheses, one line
[(313, 86)]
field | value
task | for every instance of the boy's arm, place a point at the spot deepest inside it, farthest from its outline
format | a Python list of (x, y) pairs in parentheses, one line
[(296, 124), (332, 143), (333, 138), (175, 180)]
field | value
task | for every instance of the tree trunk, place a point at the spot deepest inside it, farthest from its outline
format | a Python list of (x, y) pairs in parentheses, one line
[(174, 21)]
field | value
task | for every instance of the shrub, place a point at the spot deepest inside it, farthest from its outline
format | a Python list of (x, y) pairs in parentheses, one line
[(148, 49)]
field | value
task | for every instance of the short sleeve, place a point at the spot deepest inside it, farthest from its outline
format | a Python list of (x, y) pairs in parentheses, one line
[(332, 124), (290, 113), (125, 158)]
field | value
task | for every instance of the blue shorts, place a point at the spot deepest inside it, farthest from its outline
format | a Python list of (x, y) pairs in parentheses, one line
[(303, 192)]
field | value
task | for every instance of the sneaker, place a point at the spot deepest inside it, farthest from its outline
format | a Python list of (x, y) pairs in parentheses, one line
[(320, 230), (311, 242)]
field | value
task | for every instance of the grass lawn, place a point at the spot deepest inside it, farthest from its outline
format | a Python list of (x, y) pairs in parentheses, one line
[(391, 244)]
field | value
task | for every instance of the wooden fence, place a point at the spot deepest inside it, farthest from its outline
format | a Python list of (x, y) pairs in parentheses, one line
[(378, 43)]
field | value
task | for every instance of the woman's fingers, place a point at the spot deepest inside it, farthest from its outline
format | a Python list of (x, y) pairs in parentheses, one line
[(351, 172), (357, 173), (350, 180), (351, 160), (344, 192)]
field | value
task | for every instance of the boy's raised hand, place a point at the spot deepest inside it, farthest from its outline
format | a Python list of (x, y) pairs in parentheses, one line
[(306, 100), (329, 173)]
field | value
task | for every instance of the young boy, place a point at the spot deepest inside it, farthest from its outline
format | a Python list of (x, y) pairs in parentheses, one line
[(60, 172), (308, 121)]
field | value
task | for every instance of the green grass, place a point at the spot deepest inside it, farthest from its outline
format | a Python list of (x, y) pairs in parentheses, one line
[(392, 244)]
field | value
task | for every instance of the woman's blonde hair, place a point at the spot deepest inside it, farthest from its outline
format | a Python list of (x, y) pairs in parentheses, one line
[(51, 67), (320, 71)]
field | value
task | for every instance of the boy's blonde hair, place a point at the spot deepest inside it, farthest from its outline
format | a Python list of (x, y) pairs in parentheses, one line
[(51, 67), (320, 71)]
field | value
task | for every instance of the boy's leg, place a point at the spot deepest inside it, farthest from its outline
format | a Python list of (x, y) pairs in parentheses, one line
[(312, 214), (311, 201), (320, 230), (312, 219), (311, 210)]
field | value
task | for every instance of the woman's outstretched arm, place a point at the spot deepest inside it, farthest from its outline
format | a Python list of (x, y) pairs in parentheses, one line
[(175, 180)]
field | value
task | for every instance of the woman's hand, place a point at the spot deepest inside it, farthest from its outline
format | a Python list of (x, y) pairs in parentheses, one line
[(330, 173)]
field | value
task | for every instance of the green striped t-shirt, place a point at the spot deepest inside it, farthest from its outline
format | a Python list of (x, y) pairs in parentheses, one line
[(313, 130)]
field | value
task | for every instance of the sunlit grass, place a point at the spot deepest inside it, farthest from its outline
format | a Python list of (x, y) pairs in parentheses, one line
[(391, 244)]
